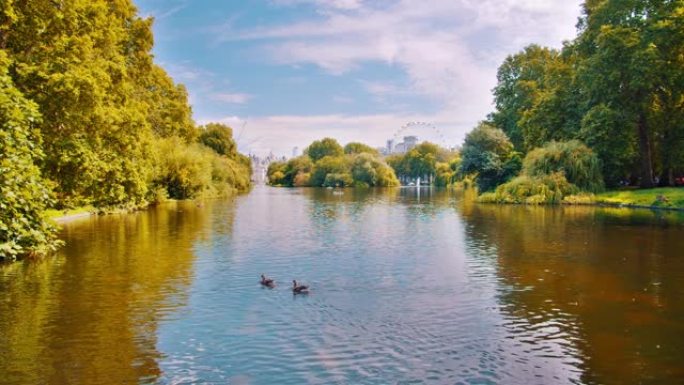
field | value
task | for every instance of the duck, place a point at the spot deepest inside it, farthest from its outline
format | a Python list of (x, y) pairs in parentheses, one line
[(299, 289), (267, 281)]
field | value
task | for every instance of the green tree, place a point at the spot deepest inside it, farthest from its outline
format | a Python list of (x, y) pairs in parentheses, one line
[(537, 97), (520, 78), (296, 172), (219, 138), (168, 111), (367, 170), (328, 165), (421, 159), (276, 174), (489, 153), (322, 148), (24, 195), (360, 148), (628, 64), (75, 60), (614, 141), (446, 172)]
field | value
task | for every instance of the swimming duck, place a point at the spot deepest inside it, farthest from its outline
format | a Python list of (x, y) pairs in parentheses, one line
[(267, 281), (299, 289)]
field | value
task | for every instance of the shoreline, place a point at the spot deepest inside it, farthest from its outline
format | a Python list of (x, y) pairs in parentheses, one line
[(588, 204), (661, 198), (623, 205), (72, 217)]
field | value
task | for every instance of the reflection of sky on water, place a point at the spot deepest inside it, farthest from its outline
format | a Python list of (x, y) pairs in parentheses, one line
[(397, 294)]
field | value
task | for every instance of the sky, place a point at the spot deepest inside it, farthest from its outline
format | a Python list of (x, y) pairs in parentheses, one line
[(283, 73)]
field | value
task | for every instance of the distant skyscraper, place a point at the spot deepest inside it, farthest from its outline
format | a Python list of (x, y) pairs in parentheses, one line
[(410, 142), (400, 148), (390, 146), (295, 152)]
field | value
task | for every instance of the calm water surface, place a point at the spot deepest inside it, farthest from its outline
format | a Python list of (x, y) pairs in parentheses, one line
[(407, 288)]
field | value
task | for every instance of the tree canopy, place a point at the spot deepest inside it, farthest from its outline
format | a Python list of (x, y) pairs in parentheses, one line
[(89, 116), (358, 165), (489, 153), (359, 148), (322, 148), (618, 87)]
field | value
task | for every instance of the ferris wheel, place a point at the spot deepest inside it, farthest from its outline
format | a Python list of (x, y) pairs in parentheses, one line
[(417, 127)]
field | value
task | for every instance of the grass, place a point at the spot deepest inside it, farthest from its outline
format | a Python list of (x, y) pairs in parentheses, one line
[(668, 197), (54, 214)]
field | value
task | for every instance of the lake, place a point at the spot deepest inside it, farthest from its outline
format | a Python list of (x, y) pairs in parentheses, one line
[(408, 286)]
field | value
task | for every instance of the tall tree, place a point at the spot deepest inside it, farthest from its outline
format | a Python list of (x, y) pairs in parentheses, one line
[(75, 59), (521, 79), (322, 148), (488, 153), (624, 65), (23, 192)]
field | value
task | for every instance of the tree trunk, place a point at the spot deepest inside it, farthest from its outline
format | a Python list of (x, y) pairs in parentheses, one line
[(645, 153)]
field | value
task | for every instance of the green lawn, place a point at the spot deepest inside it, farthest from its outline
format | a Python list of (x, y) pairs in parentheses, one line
[(670, 197)]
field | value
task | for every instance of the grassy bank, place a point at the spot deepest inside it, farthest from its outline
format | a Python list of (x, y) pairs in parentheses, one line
[(669, 197), (79, 211)]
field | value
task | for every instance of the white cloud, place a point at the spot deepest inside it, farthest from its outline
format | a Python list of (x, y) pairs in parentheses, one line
[(281, 133), (449, 49)]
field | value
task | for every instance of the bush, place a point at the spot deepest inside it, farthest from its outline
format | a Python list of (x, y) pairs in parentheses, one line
[(328, 165), (361, 165), (338, 180), (368, 170), (572, 158), (302, 179), (194, 171), (546, 189), (228, 174), (286, 173)]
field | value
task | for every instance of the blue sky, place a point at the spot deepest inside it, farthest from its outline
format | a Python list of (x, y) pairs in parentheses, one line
[(283, 73)]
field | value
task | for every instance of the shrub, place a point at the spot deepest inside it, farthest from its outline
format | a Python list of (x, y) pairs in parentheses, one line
[(276, 178), (193, 171), (368, 170), (302, 179), (328, 165), (572, 158), (338, 180), (526, 189)]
